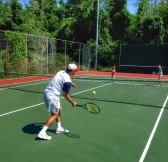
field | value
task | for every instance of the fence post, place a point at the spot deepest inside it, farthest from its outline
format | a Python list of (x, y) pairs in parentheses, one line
[(79, 54), (26, 53), (65, 53), (47, 54)]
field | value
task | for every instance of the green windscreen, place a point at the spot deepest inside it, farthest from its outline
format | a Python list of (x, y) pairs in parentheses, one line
[(143, 58)]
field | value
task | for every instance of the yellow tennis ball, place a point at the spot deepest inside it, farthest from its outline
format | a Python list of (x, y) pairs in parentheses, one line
[(94, 92)]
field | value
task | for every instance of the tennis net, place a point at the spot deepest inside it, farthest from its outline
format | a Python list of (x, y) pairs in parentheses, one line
[(138, 91), (127, 90)]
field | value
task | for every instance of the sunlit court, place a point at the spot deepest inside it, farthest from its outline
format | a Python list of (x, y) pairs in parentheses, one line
[(131, 125), (84, 80)]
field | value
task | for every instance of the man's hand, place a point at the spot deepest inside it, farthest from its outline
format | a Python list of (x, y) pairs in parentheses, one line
[(68, 98), (74, 85), (74, 104)]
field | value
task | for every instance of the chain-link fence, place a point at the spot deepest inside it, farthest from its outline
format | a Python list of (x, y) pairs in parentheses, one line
[(25, 53)]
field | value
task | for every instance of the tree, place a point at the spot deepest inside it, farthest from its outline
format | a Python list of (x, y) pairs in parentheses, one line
[(131, 36), (163, 12), (51, 20), (5, 16), (17, 15), (149, 24), (153, 30), (119, 16), (34, 19), (77, 23)]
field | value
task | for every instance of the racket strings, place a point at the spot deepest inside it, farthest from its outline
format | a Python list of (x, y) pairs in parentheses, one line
[(92, 108)]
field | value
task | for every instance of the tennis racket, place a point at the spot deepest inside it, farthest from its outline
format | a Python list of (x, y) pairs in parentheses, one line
[(91, 107)]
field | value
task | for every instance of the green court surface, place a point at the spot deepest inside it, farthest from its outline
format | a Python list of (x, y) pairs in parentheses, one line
[(131, 126)]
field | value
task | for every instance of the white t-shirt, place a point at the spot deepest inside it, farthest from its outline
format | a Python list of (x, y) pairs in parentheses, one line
[(60, 83)]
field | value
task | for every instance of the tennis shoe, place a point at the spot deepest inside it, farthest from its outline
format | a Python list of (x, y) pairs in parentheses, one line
[(44, 136), (61, 130)]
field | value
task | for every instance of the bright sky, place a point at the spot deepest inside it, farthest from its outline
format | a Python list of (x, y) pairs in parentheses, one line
[(130, 4)]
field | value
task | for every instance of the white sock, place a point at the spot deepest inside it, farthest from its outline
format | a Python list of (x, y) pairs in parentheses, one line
[(58, 124), (44, 129)]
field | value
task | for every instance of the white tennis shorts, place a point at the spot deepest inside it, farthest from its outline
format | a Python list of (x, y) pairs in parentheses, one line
[(52, 102)]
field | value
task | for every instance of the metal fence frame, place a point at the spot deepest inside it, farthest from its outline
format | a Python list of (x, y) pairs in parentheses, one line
[(52, 47)]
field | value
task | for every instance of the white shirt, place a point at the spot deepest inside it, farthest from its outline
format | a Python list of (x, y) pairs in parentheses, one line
[(59, 83)]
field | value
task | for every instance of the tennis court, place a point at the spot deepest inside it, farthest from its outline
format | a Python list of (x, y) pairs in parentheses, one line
[(131, 126)]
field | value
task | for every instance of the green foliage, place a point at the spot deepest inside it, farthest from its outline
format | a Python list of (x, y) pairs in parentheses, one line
[(57, 62), (153, 30), (120, 20), (150, 25), (75, 20), (16, 15), (131, 36), (15, 51), (107, 56), (163, 13), (5, 16), (2, 60)]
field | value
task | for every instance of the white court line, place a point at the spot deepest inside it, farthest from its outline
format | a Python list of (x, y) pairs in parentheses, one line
[(115, 82), (22, 85), (153, 132), (19, 86), (11, 112), (138, 84)]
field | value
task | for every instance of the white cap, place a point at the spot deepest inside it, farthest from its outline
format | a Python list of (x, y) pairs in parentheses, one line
[(72, 67)]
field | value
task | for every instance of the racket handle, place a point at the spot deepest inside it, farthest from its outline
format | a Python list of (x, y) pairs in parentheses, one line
[(78, 105)]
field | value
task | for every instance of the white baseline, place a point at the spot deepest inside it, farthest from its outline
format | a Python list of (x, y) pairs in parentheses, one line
[(43, 102), (153, 132)]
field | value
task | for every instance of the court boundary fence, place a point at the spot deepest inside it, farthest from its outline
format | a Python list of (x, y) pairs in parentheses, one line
[(32, 54)]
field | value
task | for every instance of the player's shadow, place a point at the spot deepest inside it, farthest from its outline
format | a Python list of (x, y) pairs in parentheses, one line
[(144, 105), (34, 128)]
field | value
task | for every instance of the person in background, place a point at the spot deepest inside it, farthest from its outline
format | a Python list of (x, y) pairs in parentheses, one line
[(160, 74), (113, 70), (59, 85)]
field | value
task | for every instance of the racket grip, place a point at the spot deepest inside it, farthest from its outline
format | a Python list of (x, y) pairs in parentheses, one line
[(79, 105)]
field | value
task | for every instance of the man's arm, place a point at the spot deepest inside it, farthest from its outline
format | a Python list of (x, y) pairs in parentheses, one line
[(74, 85), (68, 98)]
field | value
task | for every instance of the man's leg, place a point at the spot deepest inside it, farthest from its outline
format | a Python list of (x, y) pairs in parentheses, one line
[(42, 134), (59, 128)]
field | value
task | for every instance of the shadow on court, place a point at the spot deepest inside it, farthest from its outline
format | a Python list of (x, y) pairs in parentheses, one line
[(22, 89), (35, 128), (144, 105)]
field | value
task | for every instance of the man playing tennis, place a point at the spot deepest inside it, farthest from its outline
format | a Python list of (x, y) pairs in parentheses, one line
[(59, 85)]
